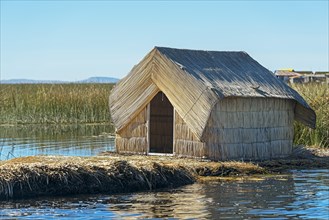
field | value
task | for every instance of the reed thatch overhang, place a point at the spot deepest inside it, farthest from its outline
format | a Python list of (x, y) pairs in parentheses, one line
[(194, 81)]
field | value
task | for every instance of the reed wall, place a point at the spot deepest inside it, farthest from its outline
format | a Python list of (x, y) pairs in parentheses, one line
[(238, 128), (133, 138), (186, 143), (250, 128)]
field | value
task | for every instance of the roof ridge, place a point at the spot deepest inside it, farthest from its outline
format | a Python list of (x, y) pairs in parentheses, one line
[(199, 50)]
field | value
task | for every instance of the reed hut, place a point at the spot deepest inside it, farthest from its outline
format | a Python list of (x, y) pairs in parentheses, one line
[(205, 104)]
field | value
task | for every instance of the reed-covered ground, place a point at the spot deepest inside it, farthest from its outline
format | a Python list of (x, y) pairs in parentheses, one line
[(57, 103), (88, 103), (112, 173)]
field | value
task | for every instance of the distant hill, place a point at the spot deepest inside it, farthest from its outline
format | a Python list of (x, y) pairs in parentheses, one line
[(99, 79), (29, 81), (89, 80)]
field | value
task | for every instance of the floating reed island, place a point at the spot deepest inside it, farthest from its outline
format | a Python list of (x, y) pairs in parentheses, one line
[(112, 173)]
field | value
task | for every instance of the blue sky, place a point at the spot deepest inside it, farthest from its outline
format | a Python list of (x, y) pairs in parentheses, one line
[(72, 40)]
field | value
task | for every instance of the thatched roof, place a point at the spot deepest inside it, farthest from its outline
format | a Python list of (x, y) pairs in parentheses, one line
[(194, 81)]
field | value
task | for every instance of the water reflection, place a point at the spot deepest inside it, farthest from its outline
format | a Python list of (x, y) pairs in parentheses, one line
[(184, 203), (301, 195), (261, 198), (78, 140)]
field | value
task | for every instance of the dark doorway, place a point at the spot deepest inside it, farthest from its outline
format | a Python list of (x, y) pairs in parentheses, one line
[(161, 124)]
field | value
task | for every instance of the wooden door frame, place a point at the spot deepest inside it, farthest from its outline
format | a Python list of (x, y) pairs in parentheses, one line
[(148, 136)]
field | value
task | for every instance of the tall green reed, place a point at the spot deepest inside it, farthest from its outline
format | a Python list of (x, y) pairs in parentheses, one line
[(317, 96), (54, 103)]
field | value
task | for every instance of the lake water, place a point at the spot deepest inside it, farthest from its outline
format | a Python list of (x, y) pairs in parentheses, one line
[(302, 194), (71, 140)]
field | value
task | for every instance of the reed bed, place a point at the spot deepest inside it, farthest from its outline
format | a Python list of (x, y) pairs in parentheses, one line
[(317, 96), (113, 173), (57, 175), (54, 103)]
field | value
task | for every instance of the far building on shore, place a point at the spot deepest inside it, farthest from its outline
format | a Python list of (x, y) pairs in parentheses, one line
[(301, 76)]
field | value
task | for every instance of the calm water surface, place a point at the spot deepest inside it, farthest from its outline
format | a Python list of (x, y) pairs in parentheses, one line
[(70, 140), (303, 194)]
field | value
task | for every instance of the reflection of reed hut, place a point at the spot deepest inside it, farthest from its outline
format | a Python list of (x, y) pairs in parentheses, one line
[(216, 105), (178, 204)]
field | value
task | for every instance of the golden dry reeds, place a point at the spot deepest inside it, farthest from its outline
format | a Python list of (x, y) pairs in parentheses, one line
[(57, 175), (113, 173)]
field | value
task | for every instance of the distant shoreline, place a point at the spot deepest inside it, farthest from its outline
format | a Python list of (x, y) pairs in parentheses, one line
[(96, 79)]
